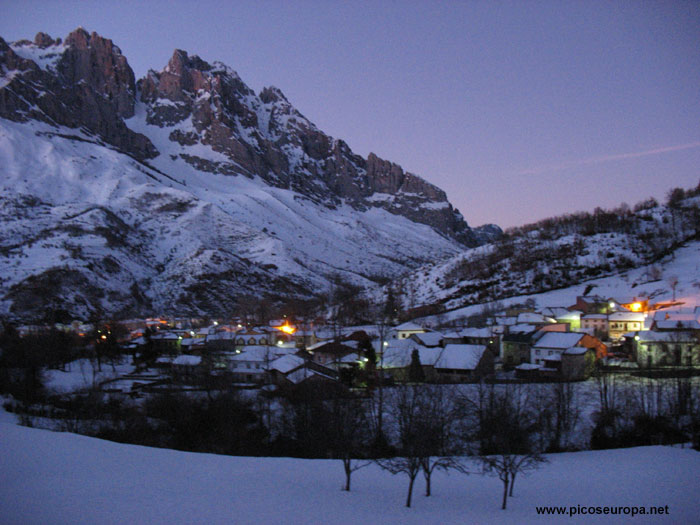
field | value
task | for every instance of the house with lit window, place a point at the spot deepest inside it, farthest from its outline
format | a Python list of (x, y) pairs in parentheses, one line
[(631, 304), (252, 337), (564, 315), (406, 330), (591, 304), (620, 323)]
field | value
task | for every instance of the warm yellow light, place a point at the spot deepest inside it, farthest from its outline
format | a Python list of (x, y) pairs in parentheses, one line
[(636, 307), (104, 337), (286, 328)]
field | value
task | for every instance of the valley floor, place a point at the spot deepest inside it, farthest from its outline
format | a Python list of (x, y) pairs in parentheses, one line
[(48, 477)]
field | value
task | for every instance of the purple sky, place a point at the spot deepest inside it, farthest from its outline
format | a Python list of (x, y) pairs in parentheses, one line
[(518, 110)]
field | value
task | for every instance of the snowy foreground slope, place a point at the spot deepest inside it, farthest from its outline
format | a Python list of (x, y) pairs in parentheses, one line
[(48, 477)]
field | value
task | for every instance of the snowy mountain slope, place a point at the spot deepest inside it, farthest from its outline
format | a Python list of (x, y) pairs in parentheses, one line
[(187, 190), (67, 478), (562, 253), (72, 206)]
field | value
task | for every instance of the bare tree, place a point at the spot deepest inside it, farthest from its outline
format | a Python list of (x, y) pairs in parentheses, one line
[(348, 433), (672, 281), (406, 405), (507, 430), (383, 327), (439, 443), (608, 413), (566, 412)]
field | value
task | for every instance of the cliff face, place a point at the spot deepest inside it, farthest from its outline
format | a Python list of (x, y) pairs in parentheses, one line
[(84, 82), (264, 135)]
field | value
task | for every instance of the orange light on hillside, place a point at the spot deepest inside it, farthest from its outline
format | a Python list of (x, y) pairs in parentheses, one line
[(636, 307)]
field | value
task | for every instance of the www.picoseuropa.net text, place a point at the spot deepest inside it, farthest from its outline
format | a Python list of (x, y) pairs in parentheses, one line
[(583, 510)]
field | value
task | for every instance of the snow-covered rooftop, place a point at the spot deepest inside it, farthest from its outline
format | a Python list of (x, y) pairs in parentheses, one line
[(667, 337), (186, 359), (461, 357), (429, 338), (286, 363), (558, 340), (626, 316)]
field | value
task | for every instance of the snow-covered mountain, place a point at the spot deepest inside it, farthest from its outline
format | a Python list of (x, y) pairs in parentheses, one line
[(186, 190)]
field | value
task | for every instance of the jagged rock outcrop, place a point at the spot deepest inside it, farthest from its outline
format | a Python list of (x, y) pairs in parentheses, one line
[(83, 83), (264, 135)]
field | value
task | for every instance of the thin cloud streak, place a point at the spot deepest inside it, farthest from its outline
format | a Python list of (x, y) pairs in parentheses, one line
[(607, 158)]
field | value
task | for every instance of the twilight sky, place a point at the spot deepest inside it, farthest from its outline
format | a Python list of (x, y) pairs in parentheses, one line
[(518, 110)]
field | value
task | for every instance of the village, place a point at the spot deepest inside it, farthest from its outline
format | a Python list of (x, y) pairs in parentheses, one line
[(519, 344)]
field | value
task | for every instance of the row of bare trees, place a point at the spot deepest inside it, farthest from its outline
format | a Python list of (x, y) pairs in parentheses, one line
[(489, 429), (504, 429)]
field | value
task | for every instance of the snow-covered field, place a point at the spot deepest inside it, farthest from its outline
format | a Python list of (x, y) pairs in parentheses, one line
[(80, 375), (48, 477)]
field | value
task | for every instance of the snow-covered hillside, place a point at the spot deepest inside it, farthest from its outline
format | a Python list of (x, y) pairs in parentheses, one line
[(635, 253), (177, 241), (683, 265), (48, 477)]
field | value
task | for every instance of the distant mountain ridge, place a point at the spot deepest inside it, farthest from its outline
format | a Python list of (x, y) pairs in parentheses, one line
[(185, 190)]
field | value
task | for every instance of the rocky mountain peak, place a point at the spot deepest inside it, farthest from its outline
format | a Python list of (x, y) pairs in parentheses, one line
[(387, 177), (272, 94), (98, 62), (184, 225), (42, 40), (181, 63)]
